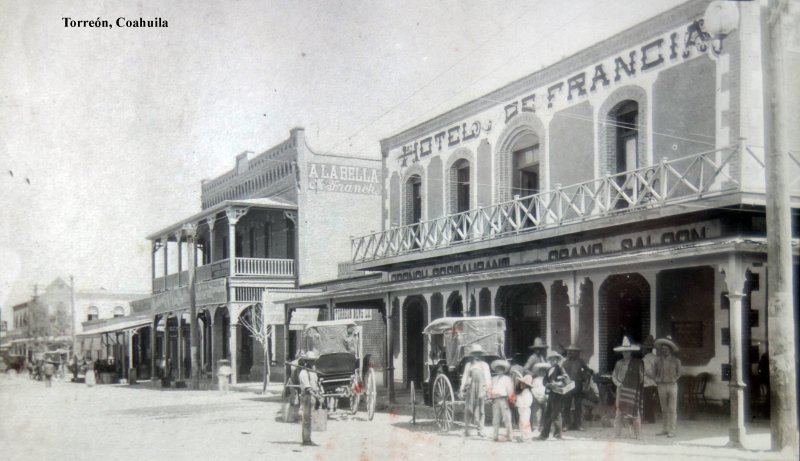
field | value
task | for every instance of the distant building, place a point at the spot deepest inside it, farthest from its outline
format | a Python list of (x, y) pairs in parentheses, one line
[(49, 320)]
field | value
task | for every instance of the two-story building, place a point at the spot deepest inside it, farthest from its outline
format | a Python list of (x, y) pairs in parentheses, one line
[(618, 192), (273, 222)]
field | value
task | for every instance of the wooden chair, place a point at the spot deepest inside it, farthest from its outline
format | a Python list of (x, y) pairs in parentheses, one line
[(692, 390)]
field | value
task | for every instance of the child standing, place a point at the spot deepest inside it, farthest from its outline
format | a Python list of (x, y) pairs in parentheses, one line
[(524, 402), (502, 393)]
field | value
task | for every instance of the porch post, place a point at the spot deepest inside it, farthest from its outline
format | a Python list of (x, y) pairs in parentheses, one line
[(574, 309), (210, 221), (233, 214), (734, 278), (179, 241), (153, 333), (234, 341), (154, 248), (165, 246), (179, 351), (130, 356)]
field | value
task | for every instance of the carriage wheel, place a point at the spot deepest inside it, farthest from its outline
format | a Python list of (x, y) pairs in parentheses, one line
[(355, 396), (443, 402), (372, 394), (413, 403)]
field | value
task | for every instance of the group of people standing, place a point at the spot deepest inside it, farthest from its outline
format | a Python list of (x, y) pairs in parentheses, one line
[(539, 392), (548, 391)]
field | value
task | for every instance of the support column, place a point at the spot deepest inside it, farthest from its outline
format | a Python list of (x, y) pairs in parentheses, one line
[(547, 284), (210, 244), (130, 356), (165, 246), (179, 241), (389, 346), (734, 278), (190, 230), (465, 299), (233, 214), (154, 249), (179, 352), (234, 342), (153, 334), (574, 308), (165, 348)]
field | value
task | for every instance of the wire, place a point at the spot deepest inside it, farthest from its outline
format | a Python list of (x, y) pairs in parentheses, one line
[(436, 77)]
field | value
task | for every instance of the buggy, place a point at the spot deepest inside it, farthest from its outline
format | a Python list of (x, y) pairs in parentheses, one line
[(343, 370), (449, 340)]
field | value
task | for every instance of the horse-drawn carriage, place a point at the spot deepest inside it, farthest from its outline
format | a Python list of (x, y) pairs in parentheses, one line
[(343, 370), (449, 341)]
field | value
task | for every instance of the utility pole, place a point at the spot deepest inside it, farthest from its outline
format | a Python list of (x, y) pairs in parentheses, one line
[(190, 231), (782, 21)]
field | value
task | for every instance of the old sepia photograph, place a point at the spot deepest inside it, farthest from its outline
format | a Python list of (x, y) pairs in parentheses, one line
[(399, 229)]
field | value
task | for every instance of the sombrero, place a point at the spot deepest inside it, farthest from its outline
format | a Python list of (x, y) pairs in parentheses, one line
[(476, 350), (555, 355), (527, 380), (541, 366), (626, 346), (573, 347), (501, 366), (538, 344), (667, 342)]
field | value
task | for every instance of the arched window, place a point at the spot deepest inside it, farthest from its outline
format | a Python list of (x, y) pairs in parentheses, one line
[(460, 186), (413, 195), (525, 166), (119, 311), (625, 117), (93, 313)]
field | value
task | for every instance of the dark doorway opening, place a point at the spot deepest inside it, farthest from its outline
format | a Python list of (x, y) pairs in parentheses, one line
[(415, 346), (624, 311)]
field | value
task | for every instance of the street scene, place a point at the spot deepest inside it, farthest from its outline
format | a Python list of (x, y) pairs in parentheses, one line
[(380, 230), (72, 421)]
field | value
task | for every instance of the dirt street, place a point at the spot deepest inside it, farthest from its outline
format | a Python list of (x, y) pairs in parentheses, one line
[(71, 421)]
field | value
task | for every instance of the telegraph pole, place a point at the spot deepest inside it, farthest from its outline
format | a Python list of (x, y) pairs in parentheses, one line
[(782, 17), (190, 231)]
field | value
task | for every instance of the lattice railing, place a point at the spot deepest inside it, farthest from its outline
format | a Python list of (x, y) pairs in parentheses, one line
[(671, 181)]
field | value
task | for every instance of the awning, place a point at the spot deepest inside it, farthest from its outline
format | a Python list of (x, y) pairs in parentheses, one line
[(121, 324), (302, 317), (648, 255)]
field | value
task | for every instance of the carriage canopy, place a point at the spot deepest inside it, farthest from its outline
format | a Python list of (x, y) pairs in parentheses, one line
[(331, 337), (450, 337)]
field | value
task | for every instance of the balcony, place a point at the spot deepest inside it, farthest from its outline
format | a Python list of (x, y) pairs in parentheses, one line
[(243, 267), (698, 177)]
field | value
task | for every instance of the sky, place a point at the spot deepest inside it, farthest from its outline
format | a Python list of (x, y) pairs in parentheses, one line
[(105, 134)]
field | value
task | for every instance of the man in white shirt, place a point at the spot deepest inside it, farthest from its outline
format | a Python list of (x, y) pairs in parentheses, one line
[(475, 383)]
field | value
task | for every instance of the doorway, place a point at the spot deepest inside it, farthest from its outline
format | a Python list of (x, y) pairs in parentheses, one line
[(624, 311)]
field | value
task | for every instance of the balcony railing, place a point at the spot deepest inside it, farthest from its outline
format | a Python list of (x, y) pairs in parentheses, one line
[(248, 267), (669, 182)]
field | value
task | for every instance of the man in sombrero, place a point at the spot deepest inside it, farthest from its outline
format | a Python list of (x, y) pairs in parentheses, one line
[(668, 370), (502, 394), (475, 383), (628, 376)]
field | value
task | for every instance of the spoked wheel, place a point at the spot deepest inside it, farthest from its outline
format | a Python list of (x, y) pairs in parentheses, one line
[(443, 403), (355, 396), (372, 394), (413, 403)]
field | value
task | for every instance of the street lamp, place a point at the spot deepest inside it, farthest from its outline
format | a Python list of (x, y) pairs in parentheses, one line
[(720, 19)]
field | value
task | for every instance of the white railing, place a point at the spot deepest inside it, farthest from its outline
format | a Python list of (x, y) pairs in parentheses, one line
[(673, 181), (218, 269), (261, 266)]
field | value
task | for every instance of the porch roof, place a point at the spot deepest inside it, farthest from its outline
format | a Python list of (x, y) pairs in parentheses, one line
[(275, 203), (115, 324)]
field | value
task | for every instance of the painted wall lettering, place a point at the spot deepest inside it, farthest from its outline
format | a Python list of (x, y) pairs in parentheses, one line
[(451, 269), (624, 66), (327, 177), (436, 142)]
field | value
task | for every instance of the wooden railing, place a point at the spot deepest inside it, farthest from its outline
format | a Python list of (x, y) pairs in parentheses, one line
[(669, 182), (260, 266), (244, 267)]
